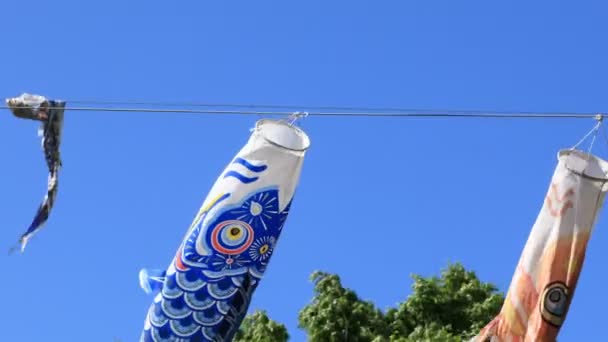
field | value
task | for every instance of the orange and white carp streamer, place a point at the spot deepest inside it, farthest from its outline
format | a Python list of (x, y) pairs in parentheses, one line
[(545, 279), (50, 113)]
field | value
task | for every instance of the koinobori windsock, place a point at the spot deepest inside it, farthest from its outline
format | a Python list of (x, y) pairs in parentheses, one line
[(50, 113), (546, 276), (205, 292)]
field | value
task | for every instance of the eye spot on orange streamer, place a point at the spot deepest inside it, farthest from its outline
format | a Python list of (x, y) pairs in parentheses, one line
[(554, 303)]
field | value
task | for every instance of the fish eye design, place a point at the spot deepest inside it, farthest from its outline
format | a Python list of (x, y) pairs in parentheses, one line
[(554, 303), (232, 237)]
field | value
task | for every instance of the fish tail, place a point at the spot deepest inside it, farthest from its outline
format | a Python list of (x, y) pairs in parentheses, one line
[(19, 245)]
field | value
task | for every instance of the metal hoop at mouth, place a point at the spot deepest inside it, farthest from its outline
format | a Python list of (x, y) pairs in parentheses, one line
[(298, 134), (580, 169)]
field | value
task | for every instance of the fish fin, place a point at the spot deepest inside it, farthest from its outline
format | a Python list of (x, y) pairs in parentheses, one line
[(20, 245), (151, 280)]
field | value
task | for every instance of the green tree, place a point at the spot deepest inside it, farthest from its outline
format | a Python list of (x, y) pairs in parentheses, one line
[(258, 327), (450, 308), (338, 314), (457, 302)]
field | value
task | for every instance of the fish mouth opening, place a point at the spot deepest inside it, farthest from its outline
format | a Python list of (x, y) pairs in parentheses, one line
[(283, 134), (585, 164)]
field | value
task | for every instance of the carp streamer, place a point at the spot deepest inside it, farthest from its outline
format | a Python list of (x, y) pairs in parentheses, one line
[(50, 114), (205, 292)]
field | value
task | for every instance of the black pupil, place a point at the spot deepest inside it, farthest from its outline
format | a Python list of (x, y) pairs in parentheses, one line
[(555, 296), (234, 231)]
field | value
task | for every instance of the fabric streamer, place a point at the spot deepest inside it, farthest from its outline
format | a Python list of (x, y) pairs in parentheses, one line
[(205, 292), (50, 113), (545, 279)]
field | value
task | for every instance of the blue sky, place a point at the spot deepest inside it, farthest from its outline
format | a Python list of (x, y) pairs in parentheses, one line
[(378, 199)]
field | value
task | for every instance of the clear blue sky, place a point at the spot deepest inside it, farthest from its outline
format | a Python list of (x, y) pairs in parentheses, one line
[(378, 199)]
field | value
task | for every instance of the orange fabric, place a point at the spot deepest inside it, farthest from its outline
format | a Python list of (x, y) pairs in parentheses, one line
[(546, 276)]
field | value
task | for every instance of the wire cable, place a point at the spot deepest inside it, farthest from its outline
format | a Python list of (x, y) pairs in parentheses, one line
[(233, 105), (292, 108), (404, 113)]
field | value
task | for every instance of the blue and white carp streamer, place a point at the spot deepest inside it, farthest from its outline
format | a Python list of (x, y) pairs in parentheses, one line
[(205, 292), (50, 113)]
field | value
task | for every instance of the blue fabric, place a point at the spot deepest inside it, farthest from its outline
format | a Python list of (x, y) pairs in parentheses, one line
[(207, 296)]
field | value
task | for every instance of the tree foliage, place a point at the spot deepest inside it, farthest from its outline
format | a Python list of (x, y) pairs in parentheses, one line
[(259, 327), (457, 302), (450, 308), (338, 314)]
